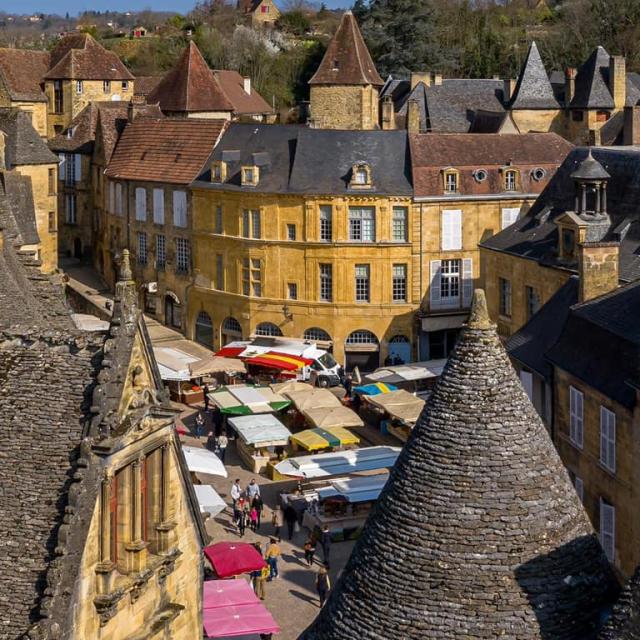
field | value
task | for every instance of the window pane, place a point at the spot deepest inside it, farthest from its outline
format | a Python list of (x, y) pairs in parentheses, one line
[(326, 282), (362, 224), (362, 282), (399, 224), (326, 223), (255, 222), (161, 253), (399, 283), (450, 280)]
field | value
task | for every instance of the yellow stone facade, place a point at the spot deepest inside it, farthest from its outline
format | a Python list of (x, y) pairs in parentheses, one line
[(344, 106), (536, 120)]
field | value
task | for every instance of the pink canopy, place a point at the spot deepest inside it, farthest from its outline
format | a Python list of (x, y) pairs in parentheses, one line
[(222, 593), (242, 620), (233, 558)]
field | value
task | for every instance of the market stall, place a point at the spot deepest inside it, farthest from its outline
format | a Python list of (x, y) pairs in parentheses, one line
[(312, 398), (173, 365), (259, 438), (332, 438), (374, 389), (215, 366), (402, 410), (209, 500), (242, 400), (230, 559), (283, 388), (413, 377), (339, 416), (203, 461)]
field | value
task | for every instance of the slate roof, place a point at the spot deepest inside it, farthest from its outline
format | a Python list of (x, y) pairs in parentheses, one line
[(478, 533), (80, 57), (433, 152), (313, 161), (624, 623), (347, 59), (17, 211), (190, 86), (23, 145), (21, 71), (533, 89), (232, 85), (164, 150), (491, 121), (535, 235)]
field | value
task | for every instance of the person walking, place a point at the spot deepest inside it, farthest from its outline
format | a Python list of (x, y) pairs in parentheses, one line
[(242, 518), (272, 555), (199, 425), (221, 446), (253, 490), (217, 420), (253, 519), (261, 578), (323, 584), (290, 517), (259, 506), (205, 391), (325, 541), (236, 492), (310, 549), (276, 521)]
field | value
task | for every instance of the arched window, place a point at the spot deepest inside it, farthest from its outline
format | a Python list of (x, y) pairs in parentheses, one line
[(361, 175), (317, 335), (399, 339), (204, 329), (231, 325), (361, 337), (268, 329)]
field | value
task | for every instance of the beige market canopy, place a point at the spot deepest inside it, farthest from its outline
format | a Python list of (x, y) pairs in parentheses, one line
[(312, 398), (333, 417), (290, 385), (399, 404), (216, 364)]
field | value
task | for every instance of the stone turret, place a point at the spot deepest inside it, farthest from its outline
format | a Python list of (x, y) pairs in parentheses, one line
[(478, 534)]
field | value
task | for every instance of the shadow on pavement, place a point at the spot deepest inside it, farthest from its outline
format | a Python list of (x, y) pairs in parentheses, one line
[(304, 596)]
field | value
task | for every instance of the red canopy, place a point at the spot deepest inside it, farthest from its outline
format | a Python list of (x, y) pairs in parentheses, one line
[(233, 558), (282, 361), (229, 352), (242, 620)]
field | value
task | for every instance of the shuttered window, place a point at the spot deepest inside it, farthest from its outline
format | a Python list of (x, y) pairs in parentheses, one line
[(608, 529), (141, 204), (451, 283), (576, 417), (451, 230), (158, 206), (180, 209), (608, 439), (509, 216)]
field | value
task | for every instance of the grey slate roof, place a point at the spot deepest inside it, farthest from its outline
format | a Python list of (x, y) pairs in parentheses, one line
[(533, 89), (312, 161), (624, 623), (535, 235), (592, 88), (590, 169), (17, 212), (478, 533), (23, 145)]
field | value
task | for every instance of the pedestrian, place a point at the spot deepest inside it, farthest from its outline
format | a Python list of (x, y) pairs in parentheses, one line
[(290, 517), (259, 506), (221, 446), (325, 541), (323, 584), (310, 549), (242, 521), (348, 384), (199, 425), (217, 419), (253, 489), (272, 555), (205, 390), (262, 577), (276, 521), (236, 492), (253, 519)]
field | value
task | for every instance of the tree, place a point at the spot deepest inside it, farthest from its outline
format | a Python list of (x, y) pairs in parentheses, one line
[(294, 22)]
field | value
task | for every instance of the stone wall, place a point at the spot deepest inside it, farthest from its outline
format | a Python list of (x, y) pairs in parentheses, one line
[(598, 269), (538, 120), (344, 107)]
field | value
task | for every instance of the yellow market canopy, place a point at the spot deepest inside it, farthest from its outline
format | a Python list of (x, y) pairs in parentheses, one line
[(399, 404), (333, 417), (318, 438)]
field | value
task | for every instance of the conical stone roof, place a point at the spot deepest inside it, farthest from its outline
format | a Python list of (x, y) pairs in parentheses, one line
[(533, 89), (478, 533)]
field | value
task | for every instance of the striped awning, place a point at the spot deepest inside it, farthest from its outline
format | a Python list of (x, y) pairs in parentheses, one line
[(318, 439), (282, 361)]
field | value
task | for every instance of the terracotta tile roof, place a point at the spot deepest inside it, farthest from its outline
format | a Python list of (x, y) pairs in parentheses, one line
[(190, 86), (144, 85), (232, 84), (164, 150), (21, 71), (432, 152), (81, 57), (347, 59)]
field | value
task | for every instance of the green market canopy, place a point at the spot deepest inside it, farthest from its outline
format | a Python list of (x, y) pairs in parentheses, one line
[(243, 400)]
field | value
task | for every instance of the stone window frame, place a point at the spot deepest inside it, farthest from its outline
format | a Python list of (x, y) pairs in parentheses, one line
[(292, 232), (106, 86), (325, 213), (218, 171), (362, 282), (250, 175), (451, 180), (509, 172), (325, 280), (292, 290), (252, 270), (576, 417), (399, 283), (183, 255), (505, 297), (400, 223), (532, 300), (79, 87), (361, 170)]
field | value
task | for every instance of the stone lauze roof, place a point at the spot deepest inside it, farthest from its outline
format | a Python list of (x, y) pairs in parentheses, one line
[(533, 89), (23, 145), (22, 70)]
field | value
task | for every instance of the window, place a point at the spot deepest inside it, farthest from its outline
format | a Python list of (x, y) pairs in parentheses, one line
[(326, 223), (52, 222), (608, 439), (361, 175), (232, 326), (451, 222), (218, 220), (79, 86), (533, 301), (608, 529), (142, 247), (602, 116), (268, 329), (112, 197), (252, 277), (362, 224), (204, 329), (399, 224), (510, 180), (106, 86), (504, 286), (125, 85), (70, 208), (568, 242), (180, 209), (576, 417), (480, 175), (579, 486), (450, 280), (399, 283), (526, 379), (292, 290), (158, 206), (361, 337), (509, 216), (183, 255), (326, 282), (119, 203), (291, 232), (219, 272), (161, 252), (255, 225), (250, 176), (451, 181), (251, 227), (315, 334), (58, 100), (538, 174), (451, 283), (362, 283), (141, 204), (218, 172), (52, 182), (71, 166)]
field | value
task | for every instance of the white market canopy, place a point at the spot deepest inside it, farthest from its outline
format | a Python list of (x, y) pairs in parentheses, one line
[(323, 465), (173, 363), (407, 372), (242, 399), (203, 461), (209, 499), (261, 430), (363, 489), (216, 364)]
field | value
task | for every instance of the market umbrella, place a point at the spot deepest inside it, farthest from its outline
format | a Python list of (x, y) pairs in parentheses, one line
[(233, 558), (375, 388), (333, 417)]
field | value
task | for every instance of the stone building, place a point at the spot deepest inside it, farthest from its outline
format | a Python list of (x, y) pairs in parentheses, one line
[(261, 13), (101, 532), (478, 532), (149, 207), (345, 88)]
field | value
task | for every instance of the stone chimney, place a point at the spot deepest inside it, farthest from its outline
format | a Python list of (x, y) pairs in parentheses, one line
[(388, 116), (437, 79), (420, 76), (631, 130), (509, 88), (618, 80), (413, 117), (595, 138), (569, 85), (598, 268), (131, 111), (247, 85)]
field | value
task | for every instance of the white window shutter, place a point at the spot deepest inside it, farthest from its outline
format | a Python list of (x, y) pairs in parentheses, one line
[(141, 204), (526, 379), (63, 163), (180, 208), (77, 170), (158, 206), (608, 529), (434, 288), (467, 282), (451, 230), (509, 216)]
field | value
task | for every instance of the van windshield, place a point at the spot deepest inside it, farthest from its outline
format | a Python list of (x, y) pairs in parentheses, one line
[(327, 361)]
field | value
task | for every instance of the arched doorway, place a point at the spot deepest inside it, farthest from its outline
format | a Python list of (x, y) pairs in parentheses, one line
[(399, 350), (231, 331), (204, 330), (320, 337), (362, 350), (172, 310), (268, 329)]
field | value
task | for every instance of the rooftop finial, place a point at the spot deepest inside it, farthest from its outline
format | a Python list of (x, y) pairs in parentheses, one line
[(125, 267), (479, 316)]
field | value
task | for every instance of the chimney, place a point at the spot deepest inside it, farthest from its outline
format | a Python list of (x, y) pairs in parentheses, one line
[(437, 79), (509, 88), (631, 130), (598, 266), (388, 119), (413, 117), (420, 76), (247, 85), (131, 111), (569, 85), (595, 137), (618, 80)]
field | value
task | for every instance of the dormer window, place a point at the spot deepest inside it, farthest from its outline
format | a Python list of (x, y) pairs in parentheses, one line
[(361, 176), (510, 180), (480, 175), (250, 176), (336, 65), (218, 172), (538, 174), (451, 180)]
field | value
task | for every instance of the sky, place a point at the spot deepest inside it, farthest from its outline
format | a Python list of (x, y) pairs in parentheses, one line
[(76, 6)]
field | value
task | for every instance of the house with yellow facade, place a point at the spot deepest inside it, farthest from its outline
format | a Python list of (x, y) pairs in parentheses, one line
[(261, 13)]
